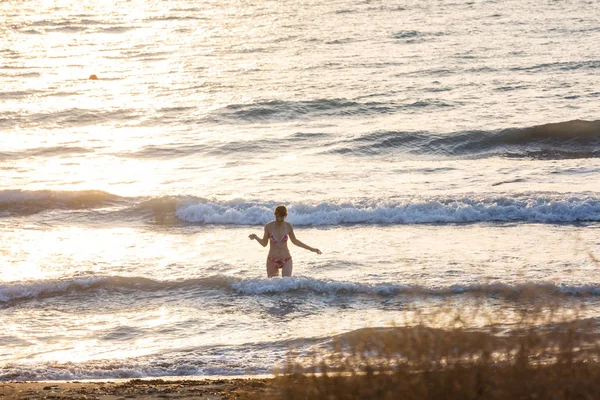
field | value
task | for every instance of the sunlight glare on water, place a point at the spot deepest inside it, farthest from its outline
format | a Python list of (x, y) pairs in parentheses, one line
[(442, 156)]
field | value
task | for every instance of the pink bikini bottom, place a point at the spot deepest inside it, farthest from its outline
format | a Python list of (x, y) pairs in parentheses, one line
[(279, 262)]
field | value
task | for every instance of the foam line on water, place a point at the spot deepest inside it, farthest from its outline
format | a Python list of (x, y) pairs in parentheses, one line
[(12, 291)]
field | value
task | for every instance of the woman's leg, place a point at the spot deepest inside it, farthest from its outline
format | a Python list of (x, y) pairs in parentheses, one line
[(272, 270), (287, 268)]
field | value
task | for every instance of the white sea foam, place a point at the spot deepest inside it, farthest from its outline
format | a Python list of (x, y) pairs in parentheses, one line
[(207, 362), (548, 209), (262, 286), (33, 289), (267, 286)]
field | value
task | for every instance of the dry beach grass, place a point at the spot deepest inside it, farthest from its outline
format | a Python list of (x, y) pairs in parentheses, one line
[(549, 349)]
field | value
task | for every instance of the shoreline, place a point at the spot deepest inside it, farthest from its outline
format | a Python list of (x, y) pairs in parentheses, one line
[(166, 378), (146, 388)]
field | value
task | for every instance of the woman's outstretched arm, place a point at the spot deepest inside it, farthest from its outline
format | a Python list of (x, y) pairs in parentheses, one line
[(264, 241), (300, 244)]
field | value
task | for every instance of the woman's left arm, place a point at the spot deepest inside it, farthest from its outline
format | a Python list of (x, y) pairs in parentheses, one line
[(299, 243)]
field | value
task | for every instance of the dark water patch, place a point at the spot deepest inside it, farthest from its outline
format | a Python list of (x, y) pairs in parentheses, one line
[(153, 151), (45, 22), (86, 21), (280, 110), (19, 74), (407, 34), (70, 118), (176, 109), (144, 55), (7, 119), (340, 41), (435, 72), (484, 69), (345, 11), (411, 36), (121, 333), (188, 9), (564, 140), (518, 180), (51, 151), (374, 143), (437, 89), (387, 8), (552, 154), (19, 94), (68, 29), (168, 18), (510, 88), (219, 148), (62, 94), (288, 110), (429, 170), (9, 52), (10, 341), (56, 150), (560, 66), (116, 29), (570, 31)]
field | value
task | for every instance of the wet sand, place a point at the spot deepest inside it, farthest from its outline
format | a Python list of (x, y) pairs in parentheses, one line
[(139, 389)]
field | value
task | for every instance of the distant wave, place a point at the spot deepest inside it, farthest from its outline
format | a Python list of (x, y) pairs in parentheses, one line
[(21, 202), (73, 25), (290, 110), (561, 66), (571, 139), (21, 291), (68, 118), (26, 290), (415, 36), (50, 151), (527, 207), (297, 140), (45, 288)]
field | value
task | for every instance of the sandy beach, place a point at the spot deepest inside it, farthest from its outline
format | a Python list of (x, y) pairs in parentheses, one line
[(140, 389)]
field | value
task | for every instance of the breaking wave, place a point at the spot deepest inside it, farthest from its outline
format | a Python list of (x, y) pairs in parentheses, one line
[(549, 209), (539, 208), (26, 290)]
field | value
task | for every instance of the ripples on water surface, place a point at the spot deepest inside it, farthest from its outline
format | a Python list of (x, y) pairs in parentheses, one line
[(436, 153)]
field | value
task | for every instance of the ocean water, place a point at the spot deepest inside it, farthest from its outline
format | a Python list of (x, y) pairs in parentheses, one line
[(440, 154)]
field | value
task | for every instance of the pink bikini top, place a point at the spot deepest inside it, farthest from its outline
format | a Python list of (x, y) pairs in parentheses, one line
[(283, 239)]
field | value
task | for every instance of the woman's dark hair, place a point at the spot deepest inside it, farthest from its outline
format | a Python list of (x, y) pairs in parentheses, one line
[(281, 211)]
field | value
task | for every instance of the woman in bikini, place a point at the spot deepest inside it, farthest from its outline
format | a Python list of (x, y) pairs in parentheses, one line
[(277, 232)]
